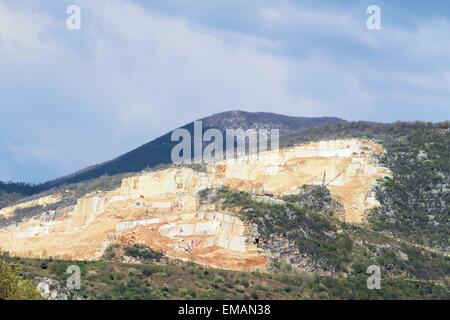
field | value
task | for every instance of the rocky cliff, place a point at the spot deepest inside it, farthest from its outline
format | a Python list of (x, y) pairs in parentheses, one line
[(161, 209)]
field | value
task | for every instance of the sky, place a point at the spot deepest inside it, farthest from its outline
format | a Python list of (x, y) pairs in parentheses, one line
[(138, 69)]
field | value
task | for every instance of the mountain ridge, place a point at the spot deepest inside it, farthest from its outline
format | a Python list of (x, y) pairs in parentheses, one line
[(132, 161)]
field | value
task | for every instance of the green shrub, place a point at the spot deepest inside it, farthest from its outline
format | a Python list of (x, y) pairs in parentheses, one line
[(14, 287)]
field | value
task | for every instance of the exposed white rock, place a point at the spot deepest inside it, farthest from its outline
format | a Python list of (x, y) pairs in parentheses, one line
[(132, 224)]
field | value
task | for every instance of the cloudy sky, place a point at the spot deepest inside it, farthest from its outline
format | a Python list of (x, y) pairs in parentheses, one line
[(137, 69)]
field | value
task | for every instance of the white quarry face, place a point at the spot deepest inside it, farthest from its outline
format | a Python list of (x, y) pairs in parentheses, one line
[(161, 208)]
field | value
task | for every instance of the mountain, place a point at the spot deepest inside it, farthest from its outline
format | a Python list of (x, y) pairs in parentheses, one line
[(158, 151), (338, 201)]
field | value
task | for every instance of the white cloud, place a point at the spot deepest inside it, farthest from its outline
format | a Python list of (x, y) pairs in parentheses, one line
[(22, 33)]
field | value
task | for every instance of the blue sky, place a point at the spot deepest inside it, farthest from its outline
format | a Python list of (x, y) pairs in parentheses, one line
[(137, 69)]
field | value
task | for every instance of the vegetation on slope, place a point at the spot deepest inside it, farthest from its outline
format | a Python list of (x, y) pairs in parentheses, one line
[(25, 189), (13, 286), (300, 238), (11, 192), (415, 202), (7, 199), (114, 280)]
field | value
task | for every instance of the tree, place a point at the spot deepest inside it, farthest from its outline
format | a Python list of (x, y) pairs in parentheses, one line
[(14, 287)]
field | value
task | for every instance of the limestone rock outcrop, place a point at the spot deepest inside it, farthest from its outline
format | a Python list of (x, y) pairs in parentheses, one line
[(43, 201)]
